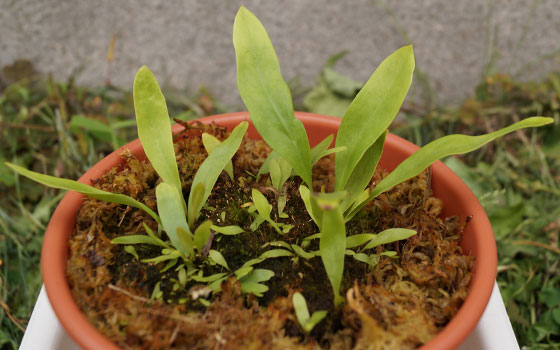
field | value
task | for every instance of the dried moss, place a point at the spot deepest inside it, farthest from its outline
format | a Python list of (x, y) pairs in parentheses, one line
[(403, 302)]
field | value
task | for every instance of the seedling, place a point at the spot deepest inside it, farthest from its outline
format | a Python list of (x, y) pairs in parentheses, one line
[(306, 321), (360, 137)]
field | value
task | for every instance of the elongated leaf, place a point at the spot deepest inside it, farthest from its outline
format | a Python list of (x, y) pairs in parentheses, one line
[(165, 257), (210, 142), (202, 234), (317, 317), (359, 239), (90, 191), (363, 172), (306, 255), (131, 250), (195, 200), (332, 243), (280, 171), (305, 194), (214, 164), (440, 148), (228, 230), (265, 167), (154, 128), (267, 95), (211, 278), (218, 258), (322, 149), (173, 216), (300, 307), (389, 236), (372, 111), (138, 239)]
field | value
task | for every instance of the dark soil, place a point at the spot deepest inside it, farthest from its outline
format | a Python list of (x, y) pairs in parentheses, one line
[(402, 302)]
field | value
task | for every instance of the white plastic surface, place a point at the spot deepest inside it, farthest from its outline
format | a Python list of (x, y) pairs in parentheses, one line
[(493, 331)]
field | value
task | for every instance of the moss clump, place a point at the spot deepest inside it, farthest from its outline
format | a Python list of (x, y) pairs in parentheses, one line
[(403, 300)]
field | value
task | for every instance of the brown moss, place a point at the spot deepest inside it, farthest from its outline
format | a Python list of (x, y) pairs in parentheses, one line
[(401, 302)]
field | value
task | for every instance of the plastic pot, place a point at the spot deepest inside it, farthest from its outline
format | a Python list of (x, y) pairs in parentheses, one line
[(478, 238)]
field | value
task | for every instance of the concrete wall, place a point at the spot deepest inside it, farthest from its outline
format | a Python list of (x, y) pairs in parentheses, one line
[(187, 43)]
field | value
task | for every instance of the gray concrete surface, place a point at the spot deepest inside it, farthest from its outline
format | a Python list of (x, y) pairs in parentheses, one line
[(188, 43)]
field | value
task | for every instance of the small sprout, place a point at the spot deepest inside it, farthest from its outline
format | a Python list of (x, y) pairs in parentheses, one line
[(218, 258), (228, 230), (251, 282), (130, 250), (157, 294), (306, 321), (182, 275)]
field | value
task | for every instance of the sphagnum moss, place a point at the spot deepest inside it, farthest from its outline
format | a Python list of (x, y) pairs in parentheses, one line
[(114, 288)]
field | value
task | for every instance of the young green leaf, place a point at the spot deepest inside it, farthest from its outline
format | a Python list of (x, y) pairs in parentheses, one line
[(264, 208), (90, 191), (138, 239), (305, 194), (231, 230), (306, 321), (261, 203), (251, 283), (173, 217), (362, 174), (202, 235), (266, 94), (332, 243), (213, 165), (195, 200), (280, 171), (389, 236), (154, 128), (265, 167), (218, 258), (172, 255), (322, 149), (301, 252), (372, 111), (359, 239), (210, 142), (442, 147), (132, 251)]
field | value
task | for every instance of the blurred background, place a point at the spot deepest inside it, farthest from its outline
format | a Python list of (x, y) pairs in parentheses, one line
[(67, 69)]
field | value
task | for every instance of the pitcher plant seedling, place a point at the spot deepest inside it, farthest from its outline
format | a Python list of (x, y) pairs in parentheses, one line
[(360, 139)]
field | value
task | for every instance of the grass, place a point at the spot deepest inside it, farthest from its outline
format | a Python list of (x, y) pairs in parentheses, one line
[(60, 128)]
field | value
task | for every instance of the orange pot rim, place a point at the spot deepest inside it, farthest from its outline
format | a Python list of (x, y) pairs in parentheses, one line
[(478, 238)]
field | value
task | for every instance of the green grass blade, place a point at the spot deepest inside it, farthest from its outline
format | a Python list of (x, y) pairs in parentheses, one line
[(214, 164), (372, 111), (154, 128), (266, 94), (90, 191), (173, 217), (440, 148)]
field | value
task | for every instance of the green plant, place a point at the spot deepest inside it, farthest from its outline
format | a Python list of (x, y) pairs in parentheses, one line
[(175, 217), (361, 135), (306, 321)]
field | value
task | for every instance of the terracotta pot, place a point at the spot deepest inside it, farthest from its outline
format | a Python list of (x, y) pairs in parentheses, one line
[(458, 200)]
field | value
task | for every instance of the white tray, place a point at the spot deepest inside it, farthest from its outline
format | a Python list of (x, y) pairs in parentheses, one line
[(493, 331)]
